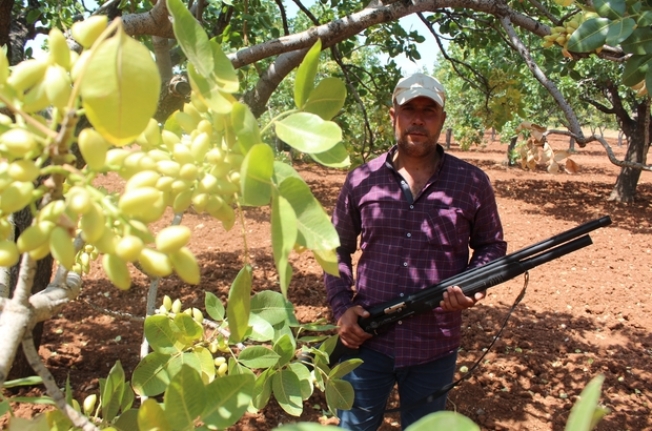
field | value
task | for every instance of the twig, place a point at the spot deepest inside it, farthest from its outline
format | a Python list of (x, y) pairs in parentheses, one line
[(51, 386), (112, 313)]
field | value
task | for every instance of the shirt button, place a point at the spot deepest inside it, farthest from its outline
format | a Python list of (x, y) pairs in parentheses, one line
[(409, 235), (400, 294), (404, 263), (411, 207), (400, 322)]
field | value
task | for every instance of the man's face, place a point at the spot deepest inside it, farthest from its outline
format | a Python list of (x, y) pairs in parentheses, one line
[(417, 125)]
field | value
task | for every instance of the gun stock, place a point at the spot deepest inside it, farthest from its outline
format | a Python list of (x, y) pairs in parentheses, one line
[(475, 280)]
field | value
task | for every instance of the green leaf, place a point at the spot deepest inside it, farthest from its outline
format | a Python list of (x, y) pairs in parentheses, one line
[(612, 9), (190, 329), (112, 392), (223, 71), (163, 335), (336, 157), (327, 99), (25, 381), (636, 68), (339, 394), (283, 171), (262, 388), (308, 133), (214, 306), (239, 304), (586, 411), (589, 36), (261, 329), (151, 416), (246, 126), (127, 398), (327, 259), (304, 81), (639, 43), (258, 357), (271, 306), (285, 347), (120, 88), (35, 400), (444, 420), (39, 423), (315, 228), (256, 175), (284, 235), (644, 19), (230, 397), (4, 407), (344, 368), (206, 365), (191, 37), (620, 30), (58, 421), (287, 391), (150, 377), (303, 373), (185, 398), (127, 421), (177, 362), (209, 92)]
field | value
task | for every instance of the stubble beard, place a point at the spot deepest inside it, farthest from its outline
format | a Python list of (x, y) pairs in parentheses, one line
[(428, 147)]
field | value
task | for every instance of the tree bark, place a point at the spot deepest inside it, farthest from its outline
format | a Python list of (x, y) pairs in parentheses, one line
[(625, 188), (510, 149), (21, 367), (449, 137)]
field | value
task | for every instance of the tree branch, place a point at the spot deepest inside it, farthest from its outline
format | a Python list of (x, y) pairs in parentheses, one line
[(79, 420), (154, 22), (574, 124)]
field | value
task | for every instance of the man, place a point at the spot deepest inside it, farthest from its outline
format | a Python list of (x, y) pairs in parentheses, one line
[(417, 210)]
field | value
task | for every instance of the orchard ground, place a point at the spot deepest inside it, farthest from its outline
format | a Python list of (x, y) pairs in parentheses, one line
[(585, 314)]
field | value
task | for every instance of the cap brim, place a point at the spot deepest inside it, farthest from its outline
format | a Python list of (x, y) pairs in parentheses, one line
[(413, 93)]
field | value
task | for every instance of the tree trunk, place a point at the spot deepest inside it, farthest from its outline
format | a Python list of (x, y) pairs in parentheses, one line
[(625, 188), (449, 137), (571, 145), (510, 149)]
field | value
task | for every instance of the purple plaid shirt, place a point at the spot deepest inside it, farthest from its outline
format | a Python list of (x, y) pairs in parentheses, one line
[(407, 246)]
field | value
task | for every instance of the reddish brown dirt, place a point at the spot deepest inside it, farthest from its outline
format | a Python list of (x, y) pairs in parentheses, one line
[(584, 314)]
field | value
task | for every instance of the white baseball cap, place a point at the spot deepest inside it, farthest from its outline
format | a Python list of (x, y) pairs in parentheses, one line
[(419, 85)]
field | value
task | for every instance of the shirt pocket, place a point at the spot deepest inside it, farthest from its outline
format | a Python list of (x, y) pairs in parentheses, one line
[(447, 227)]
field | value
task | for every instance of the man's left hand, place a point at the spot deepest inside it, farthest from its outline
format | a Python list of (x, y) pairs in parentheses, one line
[(455, 300)]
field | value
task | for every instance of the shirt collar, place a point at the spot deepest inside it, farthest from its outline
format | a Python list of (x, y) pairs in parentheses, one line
[(390, 157)]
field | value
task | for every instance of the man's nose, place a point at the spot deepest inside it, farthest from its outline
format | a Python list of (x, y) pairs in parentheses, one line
[(418, 117)]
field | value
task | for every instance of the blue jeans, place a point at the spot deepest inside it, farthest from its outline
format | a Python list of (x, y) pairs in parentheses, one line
[(374, 380)]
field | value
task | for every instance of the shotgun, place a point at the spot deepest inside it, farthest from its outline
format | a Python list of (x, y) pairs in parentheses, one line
[(474, 280)]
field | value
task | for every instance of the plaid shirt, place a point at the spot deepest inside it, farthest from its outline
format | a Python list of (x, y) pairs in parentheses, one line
[(408, 245)]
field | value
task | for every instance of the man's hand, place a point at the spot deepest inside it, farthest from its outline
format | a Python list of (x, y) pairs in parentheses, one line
[(455, 300), (351, 334)]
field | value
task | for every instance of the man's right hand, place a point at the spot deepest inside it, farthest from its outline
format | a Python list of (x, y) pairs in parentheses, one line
[(351, 334)]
